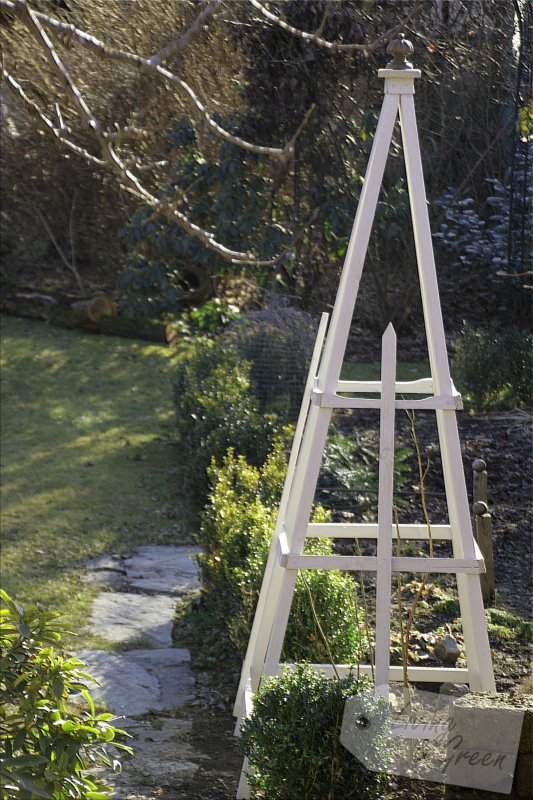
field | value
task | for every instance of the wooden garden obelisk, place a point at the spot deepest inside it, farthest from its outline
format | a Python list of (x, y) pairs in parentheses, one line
[(325, 392)]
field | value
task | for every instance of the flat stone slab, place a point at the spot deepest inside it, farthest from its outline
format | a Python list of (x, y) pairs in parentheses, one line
[(139, 681), (160, 568), (163, 757), (122, 617), (106, 562), (106, 579)]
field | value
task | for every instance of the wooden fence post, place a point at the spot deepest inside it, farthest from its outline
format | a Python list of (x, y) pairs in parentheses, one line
[(483, 527)]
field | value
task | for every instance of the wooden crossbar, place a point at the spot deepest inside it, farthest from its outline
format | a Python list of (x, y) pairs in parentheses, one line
[(420, 386), (290, 560), (396, 672), (329, 400), (364, 530)]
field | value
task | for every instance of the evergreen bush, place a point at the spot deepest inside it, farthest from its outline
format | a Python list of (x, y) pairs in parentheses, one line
[(278, 343), (237, 528), (493, 368), (292, 740), (215, 409), (47, 744)]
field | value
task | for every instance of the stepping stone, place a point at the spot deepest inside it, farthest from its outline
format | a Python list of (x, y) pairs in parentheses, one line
[(106, 579), (107, 572), (106, 562), (163, 756), (139, 681), (160, 568), (122, 617)]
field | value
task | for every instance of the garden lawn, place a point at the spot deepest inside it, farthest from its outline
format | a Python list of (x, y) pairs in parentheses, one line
[(87, 458)]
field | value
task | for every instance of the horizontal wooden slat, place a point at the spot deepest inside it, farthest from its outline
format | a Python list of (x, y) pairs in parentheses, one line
[(369, 563), (329, 400), (460, 565), (415, 674), (420, 386), (347, 563), (362, 530)]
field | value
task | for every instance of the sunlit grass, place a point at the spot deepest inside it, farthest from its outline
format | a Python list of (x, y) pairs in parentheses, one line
[(87, 458)]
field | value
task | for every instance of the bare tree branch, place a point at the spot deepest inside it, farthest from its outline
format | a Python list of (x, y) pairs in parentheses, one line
[(32, 106), (70, 265), (151, 66), (129, 180), (334, 47), (40, 25), (180, 44)]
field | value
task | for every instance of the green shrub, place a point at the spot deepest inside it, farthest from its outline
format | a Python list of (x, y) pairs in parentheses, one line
[(169, 269), (494, 369), (236, 532), (477, 366), (47, 745), (215, 410), (292, 740), (518, 364), (348, 478)]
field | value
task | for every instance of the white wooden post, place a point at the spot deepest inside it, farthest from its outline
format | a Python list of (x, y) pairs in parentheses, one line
[(385, 500), (263, 619)]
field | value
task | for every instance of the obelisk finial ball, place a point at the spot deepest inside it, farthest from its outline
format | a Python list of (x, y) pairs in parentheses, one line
[(400, 49)]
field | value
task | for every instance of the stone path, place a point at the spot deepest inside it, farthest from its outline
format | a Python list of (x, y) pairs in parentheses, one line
[(147, 680)]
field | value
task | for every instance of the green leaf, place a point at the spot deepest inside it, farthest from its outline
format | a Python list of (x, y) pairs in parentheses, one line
[(58, 687), (26, 784), (24, 630), (23, 761), (89, 700), (69, 726)]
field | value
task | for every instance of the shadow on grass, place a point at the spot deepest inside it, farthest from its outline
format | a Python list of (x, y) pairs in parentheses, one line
[(88, 460)]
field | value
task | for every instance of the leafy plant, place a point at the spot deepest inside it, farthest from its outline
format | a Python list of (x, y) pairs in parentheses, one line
[(48, 745), (509, 626), (349, 473), (494, 367), (237, 528), (517, 356), (168, 269), (477, 363), (292, 740), (207, 318), (215, 409), (480, 239)]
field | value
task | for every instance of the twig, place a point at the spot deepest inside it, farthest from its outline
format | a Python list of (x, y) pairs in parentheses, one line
[(365, 609), (72, 237), (405, 652), (334, 47), (319, 627), (177, 45), (70, 266), (129, 181), (414, 607), (405, 633), (308, 114), (422, 477), (32, 106), (320, 30)]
